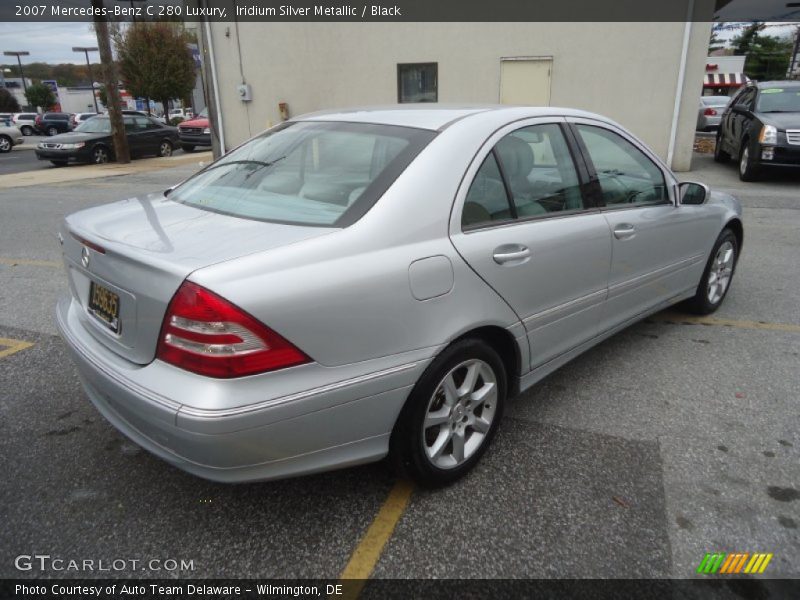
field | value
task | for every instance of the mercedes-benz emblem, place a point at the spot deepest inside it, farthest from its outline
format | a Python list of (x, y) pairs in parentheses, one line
[(85, 257)]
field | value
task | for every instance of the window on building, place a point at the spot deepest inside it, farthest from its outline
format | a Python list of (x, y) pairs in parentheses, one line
[(417, 82)]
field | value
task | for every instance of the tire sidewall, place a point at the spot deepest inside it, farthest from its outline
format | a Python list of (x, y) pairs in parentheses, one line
[(702, 300), (407, 442)]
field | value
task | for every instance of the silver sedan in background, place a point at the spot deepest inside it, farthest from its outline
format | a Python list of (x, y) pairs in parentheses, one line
[(354, 284), (709, 115)]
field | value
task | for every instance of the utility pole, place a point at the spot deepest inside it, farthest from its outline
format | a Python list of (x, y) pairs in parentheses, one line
[(111, 82), (19, 62), (86, 51), (795, 53)]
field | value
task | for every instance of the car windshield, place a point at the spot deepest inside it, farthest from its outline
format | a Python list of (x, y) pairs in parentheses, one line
[(95, 125), (203, 114), (306, 173), (779, 100)]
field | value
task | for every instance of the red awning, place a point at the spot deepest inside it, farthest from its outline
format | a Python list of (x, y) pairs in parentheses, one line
[(725, 80)]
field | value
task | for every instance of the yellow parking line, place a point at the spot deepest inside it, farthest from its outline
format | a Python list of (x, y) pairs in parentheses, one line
[(12, 346), (737, 324), (369, 549), (13, 262)]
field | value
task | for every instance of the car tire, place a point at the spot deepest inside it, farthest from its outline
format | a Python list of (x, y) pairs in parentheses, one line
[(717, 276), (748, 171), (165, 148), (720, 155), (6, 144), (26, 130), (59, 163), (100, 155), (187, 147), (460, 426), (51, 131)]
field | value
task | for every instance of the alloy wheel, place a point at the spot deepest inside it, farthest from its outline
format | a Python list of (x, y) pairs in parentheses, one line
[(719, 275), (52, 131), (5, 144), (100, 156), (165, 149), (460, 414), (745, 160)]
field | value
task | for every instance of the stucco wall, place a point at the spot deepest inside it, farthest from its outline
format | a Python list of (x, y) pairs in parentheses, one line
[(627, 71)]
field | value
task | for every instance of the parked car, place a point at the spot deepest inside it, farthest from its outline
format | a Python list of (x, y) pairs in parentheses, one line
[(352, 284), (710, 112), (91, 141), (182, 113), (195, 132), (10, 136), (761, 128), (52, 123), (25, 122), (79, 118)]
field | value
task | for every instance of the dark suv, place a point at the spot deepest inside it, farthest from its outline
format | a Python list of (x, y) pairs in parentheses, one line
[(52, 123), (761, 127)]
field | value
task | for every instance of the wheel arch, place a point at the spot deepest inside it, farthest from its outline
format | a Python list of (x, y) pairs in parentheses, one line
[(736, 226), (502, 342)]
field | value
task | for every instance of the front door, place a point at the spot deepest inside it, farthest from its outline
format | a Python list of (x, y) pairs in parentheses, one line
[(525, 81), (524, 226)]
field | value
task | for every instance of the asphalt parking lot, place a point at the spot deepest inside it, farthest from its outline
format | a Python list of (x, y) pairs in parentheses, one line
[(677, 437)]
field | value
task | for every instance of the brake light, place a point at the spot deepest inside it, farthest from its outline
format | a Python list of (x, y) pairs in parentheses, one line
[(204, 333), (710, 112), (38, 119)]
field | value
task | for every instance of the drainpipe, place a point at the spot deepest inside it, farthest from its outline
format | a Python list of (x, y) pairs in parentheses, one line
[(676, 109), (215, 89)]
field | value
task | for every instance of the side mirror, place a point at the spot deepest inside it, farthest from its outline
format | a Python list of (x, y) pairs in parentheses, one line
[(693, 193)]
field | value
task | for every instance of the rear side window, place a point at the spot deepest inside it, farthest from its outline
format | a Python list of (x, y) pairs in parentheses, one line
[(306, 173)]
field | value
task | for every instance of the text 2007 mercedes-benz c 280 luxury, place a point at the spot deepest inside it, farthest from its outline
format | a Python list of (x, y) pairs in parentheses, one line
[(378, 281)]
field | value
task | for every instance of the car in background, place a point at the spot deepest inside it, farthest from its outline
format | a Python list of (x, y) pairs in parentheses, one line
[(710, 113), (195, 132), (79, 118), (91, 141), (761, 128), (10, 136), (348, 285), (25, 122), (53, 123), (181, 113), (5, 118)]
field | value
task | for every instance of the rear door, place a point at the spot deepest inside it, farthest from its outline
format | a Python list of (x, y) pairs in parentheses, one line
[(524, 224), (654, 242)]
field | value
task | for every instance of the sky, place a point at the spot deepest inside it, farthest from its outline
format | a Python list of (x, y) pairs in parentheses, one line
[(47, 42)]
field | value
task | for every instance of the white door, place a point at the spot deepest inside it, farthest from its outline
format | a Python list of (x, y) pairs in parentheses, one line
[(525, 81)]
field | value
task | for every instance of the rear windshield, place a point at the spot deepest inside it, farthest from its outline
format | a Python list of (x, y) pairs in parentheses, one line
[(306, 173), (716, 100)]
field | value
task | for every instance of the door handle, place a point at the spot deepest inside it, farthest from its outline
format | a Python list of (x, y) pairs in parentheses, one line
[(511, 254), (624, 231)]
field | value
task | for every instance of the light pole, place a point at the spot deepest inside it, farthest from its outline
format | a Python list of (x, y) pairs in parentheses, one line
[(19, 62), (86, 51)]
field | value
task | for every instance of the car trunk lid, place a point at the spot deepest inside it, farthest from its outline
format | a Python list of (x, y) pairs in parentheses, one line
[(131, 257)]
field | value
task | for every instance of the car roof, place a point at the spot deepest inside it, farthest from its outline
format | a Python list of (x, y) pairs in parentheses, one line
[(771, 84), (434, 116)]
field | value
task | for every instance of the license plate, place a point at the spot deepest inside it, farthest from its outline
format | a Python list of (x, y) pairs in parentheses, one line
[(104, 304)]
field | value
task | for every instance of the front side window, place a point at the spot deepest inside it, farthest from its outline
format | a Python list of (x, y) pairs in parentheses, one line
[(306, 173), (417, 82), (627, 177)]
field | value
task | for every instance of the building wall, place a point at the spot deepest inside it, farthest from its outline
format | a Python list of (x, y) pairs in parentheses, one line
[(627, 71)]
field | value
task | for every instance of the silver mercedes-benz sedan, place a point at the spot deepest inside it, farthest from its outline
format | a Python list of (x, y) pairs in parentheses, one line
[(378, 281)]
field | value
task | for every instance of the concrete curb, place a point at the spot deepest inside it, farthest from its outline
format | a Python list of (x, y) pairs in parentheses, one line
[(78, 173)]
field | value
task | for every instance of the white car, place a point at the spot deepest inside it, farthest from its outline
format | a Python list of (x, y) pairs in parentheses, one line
[(25, 122), (9, 137)]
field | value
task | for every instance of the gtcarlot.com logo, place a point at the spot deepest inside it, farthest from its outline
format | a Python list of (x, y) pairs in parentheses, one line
[(45, 562), (733, 563)]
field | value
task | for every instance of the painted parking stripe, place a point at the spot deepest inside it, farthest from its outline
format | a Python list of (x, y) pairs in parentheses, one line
[(9, 346), (676, 319), (13, 262), (369, 549)]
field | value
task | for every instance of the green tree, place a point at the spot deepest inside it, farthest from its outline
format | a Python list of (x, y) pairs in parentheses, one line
[(767, 56), (8, 103), (40, 95), (155, 61), (715, 43)]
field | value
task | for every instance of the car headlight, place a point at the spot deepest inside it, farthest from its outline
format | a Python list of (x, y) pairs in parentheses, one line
[(207, 130), (769, 135), (73, 146)]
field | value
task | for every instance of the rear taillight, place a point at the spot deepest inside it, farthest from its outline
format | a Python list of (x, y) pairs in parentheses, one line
[(204, 333), (710, 112), (38, 119)]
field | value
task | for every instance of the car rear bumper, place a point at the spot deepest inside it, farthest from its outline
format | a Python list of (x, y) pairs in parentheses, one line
[(337, 425)]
